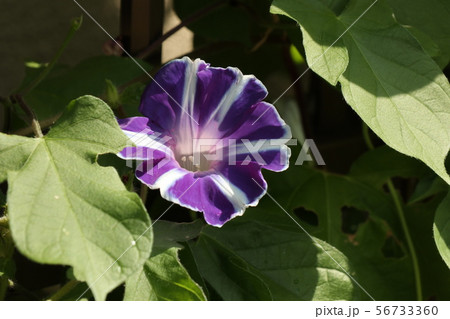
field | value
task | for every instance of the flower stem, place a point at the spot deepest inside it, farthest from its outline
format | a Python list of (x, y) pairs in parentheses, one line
[(193, 215), (4, 283), (401, 215), (64, 290), (412, 251), (30, 114), (366, 135), (144, 193), (76, 24), (43, 123)]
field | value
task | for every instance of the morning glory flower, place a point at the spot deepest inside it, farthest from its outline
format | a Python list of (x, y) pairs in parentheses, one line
[(204, 138)]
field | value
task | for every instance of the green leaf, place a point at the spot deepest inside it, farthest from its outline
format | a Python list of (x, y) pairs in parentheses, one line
[(357, 218), (429, 46), (329, 58), (253, 261), (169, 234), (74, 293), (430, 185), (130, 98), (375, 167), (288, 110), (430, 17), (88, 77), (435, 274), (66, 209), (111, 94), (390, 81), (7, 267), (163, 277), (441, 229)]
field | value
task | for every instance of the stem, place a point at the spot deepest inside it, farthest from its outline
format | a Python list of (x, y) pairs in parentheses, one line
[(64, 290), (76, 24), (192, 18), (401, 215), (130, 183), (30, 114), (262, 41), (193, 215), (4, 284), (144, 193), (44, 124), (366, 135)]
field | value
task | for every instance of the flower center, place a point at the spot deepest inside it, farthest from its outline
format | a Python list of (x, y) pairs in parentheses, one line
[(196, 162)]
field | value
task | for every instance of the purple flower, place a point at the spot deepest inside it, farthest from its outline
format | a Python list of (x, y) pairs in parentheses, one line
[(205, 136)]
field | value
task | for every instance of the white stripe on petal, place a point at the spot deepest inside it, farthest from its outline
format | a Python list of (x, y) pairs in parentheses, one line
[(150, 141), (188, 129), (232, 94), (234, 194), (168, 179)]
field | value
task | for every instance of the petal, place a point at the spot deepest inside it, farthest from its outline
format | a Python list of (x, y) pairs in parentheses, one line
[(260, 139), (155, 172), (139, 153), (201, 194), (134, 124), (218, 199), (165, 99), (248, 93), (244, 183), (139, 134), (224, 100), (186, 94), (184, 188), (263, 122), (220, 196)]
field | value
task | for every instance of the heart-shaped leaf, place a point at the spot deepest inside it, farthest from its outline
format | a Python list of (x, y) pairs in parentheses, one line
[(66, 209), (385, 74)]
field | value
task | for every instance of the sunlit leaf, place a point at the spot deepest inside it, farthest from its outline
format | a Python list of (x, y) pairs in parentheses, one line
[(66, 209), (385, 74)]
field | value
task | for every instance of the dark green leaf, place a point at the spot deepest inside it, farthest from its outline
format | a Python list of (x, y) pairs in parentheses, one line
[(435, 275), (7, 267), (442, 229), (375, 167), (430, 17), (355, 217), (130, 98), (170, 234), (88, 77), (163, 277), (253, 261)]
